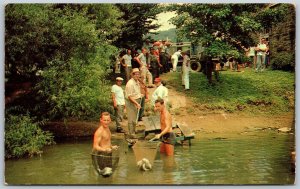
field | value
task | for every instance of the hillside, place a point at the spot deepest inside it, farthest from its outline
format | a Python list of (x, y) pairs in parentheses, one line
[(166, 34)]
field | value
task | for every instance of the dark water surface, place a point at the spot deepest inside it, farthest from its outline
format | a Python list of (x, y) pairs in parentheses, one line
[(252, 158)]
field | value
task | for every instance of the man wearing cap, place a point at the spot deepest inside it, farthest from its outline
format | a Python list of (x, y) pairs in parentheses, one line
[(160, 92), (133, 101), (118, 102)]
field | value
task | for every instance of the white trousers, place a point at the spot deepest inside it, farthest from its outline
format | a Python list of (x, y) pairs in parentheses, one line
[(146, 74), (174, 60), (185, 78)]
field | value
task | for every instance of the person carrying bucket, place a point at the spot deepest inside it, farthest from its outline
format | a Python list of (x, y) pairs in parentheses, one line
[(167, 136)]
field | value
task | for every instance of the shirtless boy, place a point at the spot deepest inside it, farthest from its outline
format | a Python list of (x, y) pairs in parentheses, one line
[(168, 137)]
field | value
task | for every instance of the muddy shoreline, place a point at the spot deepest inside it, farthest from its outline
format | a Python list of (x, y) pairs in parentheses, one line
[(199, 121)]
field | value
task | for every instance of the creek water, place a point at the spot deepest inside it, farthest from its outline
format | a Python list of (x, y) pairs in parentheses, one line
[(261, 157)]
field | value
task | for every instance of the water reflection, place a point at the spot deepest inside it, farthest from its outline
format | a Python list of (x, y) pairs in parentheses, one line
[(257, 158)]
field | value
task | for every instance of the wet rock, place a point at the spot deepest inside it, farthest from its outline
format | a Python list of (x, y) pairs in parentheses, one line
[(284, 129)]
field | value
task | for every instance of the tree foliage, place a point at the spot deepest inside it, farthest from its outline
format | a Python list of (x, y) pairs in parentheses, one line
[(231, 24), (39, 33), (25, 38), (24, 137), (138, 19), (64, 49), (283, 61)]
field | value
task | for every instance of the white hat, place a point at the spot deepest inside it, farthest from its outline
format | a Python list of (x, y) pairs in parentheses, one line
[(119, 78), (135, 70)]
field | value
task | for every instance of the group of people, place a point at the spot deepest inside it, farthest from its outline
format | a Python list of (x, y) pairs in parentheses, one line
[(154, 59), (133, 101), (142, 71), (259, 58), (151, 60)]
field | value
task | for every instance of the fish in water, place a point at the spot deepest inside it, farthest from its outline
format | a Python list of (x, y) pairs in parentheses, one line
[(144, 164), (106, 172)]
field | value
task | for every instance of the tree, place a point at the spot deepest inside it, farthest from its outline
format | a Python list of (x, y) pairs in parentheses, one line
[(25, 40), (138, 19), (230, 24), (64, 49), (38, 33)]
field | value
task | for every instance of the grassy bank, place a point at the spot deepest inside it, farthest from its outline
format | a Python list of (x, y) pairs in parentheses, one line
[(268, 92)]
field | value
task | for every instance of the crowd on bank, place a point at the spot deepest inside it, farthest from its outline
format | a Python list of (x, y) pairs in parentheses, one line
[(153, 60)]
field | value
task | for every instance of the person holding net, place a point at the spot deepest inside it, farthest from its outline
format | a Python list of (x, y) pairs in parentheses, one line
[(102, 146), (167, 136)]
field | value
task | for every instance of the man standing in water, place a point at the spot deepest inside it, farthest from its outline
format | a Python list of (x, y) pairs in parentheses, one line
[(102, 146), (168, 137), (102, 136)]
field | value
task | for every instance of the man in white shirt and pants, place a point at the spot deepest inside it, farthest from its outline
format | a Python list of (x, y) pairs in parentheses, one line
[(174, 59), (118, 102)]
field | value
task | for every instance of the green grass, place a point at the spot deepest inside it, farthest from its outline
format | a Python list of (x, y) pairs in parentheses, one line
[(267, 92)]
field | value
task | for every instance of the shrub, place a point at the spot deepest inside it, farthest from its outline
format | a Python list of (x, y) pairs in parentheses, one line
[(24, 137), (79, 90), (283, 61)]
